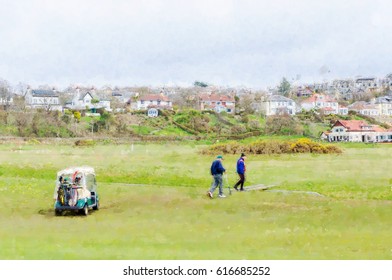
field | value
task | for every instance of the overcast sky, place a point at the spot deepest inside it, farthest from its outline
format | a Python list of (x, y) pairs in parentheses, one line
[(166, 42)]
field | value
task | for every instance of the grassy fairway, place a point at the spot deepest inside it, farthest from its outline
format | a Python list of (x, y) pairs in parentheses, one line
[(153, 205)]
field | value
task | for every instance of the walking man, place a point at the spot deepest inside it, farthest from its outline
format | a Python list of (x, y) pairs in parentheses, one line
[(217, 171), (241, 168)]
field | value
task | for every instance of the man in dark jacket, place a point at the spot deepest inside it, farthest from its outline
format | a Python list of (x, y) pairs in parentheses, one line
[(217, 171), (241, 168)]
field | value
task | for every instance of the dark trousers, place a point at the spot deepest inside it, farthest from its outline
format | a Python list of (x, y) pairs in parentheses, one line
[(241, 181)]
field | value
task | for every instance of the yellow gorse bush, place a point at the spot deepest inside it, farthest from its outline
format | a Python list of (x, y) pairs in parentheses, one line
[(303, 145)]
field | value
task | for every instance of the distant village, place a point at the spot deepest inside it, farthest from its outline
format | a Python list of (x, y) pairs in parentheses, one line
[(367, 96)]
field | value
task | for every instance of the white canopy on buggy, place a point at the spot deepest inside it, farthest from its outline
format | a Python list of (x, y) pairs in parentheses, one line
[(82, 177)]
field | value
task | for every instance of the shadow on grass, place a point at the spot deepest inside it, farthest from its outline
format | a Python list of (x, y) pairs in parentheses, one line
[(50, 213)]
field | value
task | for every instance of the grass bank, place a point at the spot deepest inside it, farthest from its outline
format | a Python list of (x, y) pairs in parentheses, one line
[(154, 205)]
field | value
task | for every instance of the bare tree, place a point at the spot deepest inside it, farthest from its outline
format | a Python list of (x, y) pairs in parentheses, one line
[(22, 121), (21, 88), (245, 103), (19, 103), (5, 94)]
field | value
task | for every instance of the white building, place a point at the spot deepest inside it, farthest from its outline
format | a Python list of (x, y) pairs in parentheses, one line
[(278, 105), (87, 101), (217, 102), (357, 131), (6, 101), (384, 105), (322, 102), (381, 106), (366, 83), (44, 99), (158, 101)]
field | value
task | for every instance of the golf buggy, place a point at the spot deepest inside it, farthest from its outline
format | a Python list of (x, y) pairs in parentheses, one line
[(76, 190)]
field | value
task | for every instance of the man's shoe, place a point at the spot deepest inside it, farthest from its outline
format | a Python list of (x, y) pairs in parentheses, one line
[(236, 188), (242, 190), (222, 196), (210, 194)]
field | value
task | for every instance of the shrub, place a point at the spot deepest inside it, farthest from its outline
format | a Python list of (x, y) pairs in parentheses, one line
[(302, 145), (237, 129), (85, 143)]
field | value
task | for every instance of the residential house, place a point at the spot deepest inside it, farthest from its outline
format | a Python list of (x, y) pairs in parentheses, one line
[(343, 84), (343, 110), (6, 101), (357, 131), (384, 105), (158, 101), (343, 89), (304, 91), (364, 108), (321, 87), (278, 105), (366, 83), (322, 102), (87, 101), (217, 102), (387, 81), (42, 99)]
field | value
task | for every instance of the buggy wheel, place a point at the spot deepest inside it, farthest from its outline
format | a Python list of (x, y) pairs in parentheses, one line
[(58, 212), (85, 210), (96, 207)]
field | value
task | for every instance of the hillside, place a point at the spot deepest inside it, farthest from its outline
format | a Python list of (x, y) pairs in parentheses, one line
[(180, 124)]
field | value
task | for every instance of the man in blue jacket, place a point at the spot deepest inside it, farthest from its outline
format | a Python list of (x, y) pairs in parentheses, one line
[(241, 168), (217, 171)]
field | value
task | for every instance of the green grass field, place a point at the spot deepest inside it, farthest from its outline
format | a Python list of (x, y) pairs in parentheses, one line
[(154, 205)]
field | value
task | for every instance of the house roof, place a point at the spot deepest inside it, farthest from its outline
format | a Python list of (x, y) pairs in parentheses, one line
[(384, 99), (358, 105), (84, 95), (365, 79), (154, 97), (358, 125), (44, 93), (213, 97), (279, 98), (352, 125), (319, 97)]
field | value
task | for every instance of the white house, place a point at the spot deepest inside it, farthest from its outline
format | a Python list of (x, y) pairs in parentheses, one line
[(365, 108), (366, 83), (343, 110), (278, 105), (158, 101), (6, 101), (387, 81), (357, 131), (322, 102), (45, 99), (217, 102), (87, 101), (384, 105)]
